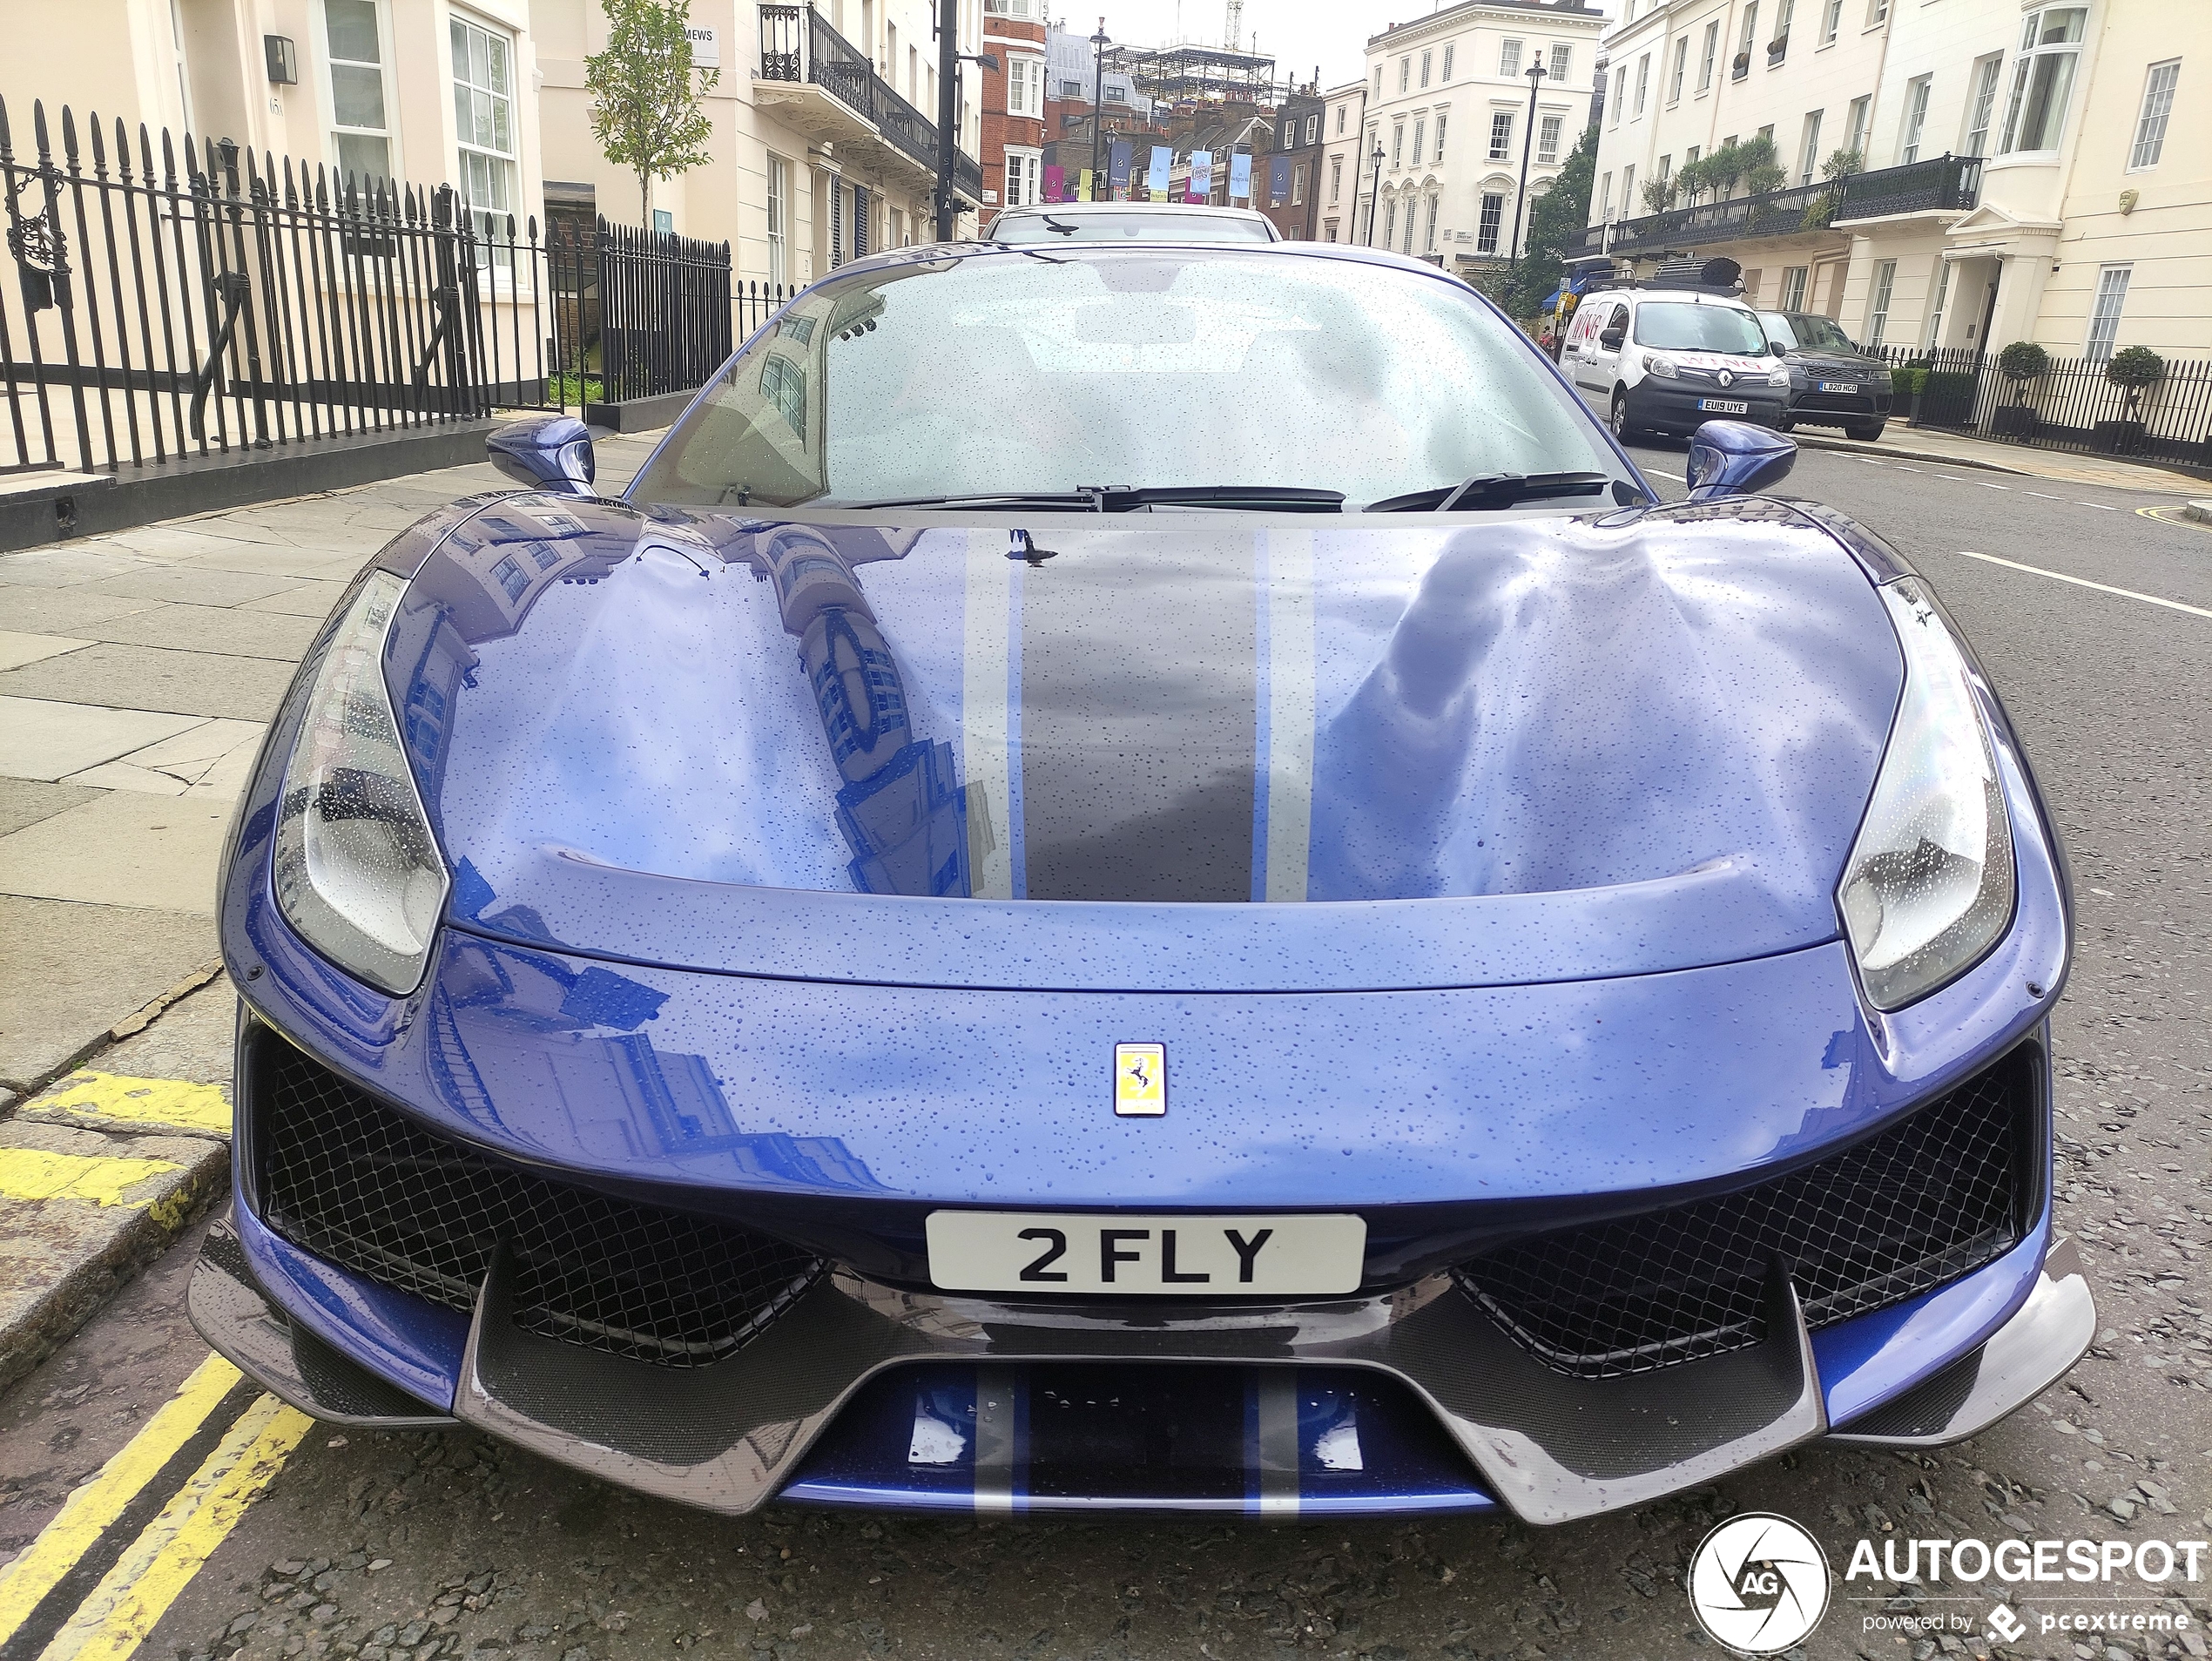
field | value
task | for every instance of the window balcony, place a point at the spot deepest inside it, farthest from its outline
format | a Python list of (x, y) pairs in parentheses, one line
[(1945, 184), (818, 83)]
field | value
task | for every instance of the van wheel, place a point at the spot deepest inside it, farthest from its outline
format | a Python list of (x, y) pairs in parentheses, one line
[(1623, 429), (1864, 431)]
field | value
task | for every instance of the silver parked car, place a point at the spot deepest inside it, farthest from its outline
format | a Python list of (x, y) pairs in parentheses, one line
[(1131, 222)]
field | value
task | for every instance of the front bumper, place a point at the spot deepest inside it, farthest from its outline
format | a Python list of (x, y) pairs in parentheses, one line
[(729, 1438), (1671, 406)]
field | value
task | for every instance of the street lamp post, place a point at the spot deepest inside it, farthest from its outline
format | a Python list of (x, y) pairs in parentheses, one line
[(1521, 198), (1097, 100), (1374, 192), (947, 111)]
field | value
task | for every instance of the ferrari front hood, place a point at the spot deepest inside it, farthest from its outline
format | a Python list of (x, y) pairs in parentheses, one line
[(1176, 750)]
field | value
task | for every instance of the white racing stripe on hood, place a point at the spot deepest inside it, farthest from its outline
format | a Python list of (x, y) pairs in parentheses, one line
[(986, 661)]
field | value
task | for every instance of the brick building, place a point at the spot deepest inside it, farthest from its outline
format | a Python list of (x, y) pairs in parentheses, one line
[(1285, 179), (1014, 105)]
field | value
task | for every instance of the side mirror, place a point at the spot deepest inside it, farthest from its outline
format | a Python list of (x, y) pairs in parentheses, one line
[(546, 452), (1612, 338), (1736, 458)]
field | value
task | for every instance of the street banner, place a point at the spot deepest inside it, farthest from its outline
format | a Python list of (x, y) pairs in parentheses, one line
[(1200, 187), (1083, 191), (1156, 177), (1117, 170), (1053, 179), (1240, 177), (1278, 181)]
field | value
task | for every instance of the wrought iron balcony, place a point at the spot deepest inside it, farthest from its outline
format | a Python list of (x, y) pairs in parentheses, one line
[(798, 48), (1948, 184)]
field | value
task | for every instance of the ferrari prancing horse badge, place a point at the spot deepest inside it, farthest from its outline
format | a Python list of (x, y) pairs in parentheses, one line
[(1140, 1080)]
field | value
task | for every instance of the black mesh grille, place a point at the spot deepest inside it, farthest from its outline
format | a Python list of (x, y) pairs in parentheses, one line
[(1885, 1219), (354, 1182)]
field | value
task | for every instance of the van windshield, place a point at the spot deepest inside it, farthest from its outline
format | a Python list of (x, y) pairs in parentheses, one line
[(1677, 327)]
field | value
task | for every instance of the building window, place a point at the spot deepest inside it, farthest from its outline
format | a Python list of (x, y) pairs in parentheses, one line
[(1509, 59), (1742, 66), (1025, 88), (1390, 221), (1379, 80), (1942, 297), (1620, 93), (361, 139), (1547, 139), (1298, 184), (1336, 180), (1328, 230), (1784, 16), (1793, 287), (1878, 308), (1862, 111), (1313, 128), (1501, 135), (1916, 118), (1808, 152), (2104, 321), (1021, 178), (1629, 192), (1831, 20), (1643, 80), (2150, 125), (1425, 65), (1705, 62), (778, 221), (1486, 230), (1405, 72), (1605, 187), (1440, 135), (1982, 103), (1420, 146), (2043, 79), (1677, 69), (1877, 11), (1428, 242), (1411, 209), (1447, 75), (483, 109), (1341, 108), (1562, 64), (1397, 143)]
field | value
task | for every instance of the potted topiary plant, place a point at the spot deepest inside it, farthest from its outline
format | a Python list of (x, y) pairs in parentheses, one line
[(2019, 363), (2132, 370)]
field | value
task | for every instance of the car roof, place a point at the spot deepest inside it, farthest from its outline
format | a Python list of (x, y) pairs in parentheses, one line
[(1214, 208), (1354, 253)]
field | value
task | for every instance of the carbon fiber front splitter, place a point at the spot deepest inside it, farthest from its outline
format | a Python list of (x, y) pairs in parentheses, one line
[(731, 1436)]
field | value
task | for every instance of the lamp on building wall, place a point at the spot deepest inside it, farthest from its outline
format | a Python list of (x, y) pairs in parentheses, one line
[(1521, 198), (283, 60), (1374, 192)]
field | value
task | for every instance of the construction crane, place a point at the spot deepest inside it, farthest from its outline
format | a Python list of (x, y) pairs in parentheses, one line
[(1235, 41)]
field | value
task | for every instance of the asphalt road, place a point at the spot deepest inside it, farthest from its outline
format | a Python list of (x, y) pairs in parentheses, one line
[(381, 1545)]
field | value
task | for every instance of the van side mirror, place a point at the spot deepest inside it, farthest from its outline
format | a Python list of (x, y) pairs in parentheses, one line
[(546, 452), (1611, 339)]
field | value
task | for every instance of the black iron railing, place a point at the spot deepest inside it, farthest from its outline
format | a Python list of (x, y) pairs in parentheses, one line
[(2073, 404), (173, 302), (798, 43), (1947, 182)]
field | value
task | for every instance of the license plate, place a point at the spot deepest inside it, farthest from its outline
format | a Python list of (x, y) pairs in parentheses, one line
[(1725, 406), (1297, 1255), (1839, 386)]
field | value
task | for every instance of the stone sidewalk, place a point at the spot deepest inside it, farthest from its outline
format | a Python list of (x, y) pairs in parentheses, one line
[(138, 673), (1934, 444)]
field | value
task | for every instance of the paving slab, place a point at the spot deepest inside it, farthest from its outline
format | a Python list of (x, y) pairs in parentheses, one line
[(63, 611), (214, 759), (127, 1105), (16, 650), (187, 582), (301, 565), (25, 802), (86, 1210), (315, 600), (155, 678), (64, 566), (233, 630), (124, 849), (72, 973), (50, 738)]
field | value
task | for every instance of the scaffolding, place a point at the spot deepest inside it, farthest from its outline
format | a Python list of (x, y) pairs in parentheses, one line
[(1189, 73)]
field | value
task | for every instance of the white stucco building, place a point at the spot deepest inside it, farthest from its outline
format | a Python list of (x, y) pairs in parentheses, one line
[(1447, 97)]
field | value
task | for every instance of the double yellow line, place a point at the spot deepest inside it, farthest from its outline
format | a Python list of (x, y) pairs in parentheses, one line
[(221, 1443)]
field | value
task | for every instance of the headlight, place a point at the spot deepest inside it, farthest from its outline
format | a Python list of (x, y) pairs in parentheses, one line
[(1929, 883), (1663, 368), (357, 870), (1777, 377)]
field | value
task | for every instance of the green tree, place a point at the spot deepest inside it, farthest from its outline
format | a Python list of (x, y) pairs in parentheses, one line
[(645, 108), (1557, 220)]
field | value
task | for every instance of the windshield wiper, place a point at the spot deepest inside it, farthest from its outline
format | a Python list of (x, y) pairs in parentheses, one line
[(1493, 490), (1121, 498)]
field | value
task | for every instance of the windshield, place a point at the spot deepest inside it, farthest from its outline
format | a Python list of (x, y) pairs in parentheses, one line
[(1167, 226), (1793, 330), (1033, 371), (1680, 327)]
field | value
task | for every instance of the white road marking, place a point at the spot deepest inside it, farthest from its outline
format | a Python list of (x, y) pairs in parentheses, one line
[(2083, 582), (1954, 477), (2105, 506), (1663, 473), (1901, 467), (1987, 485)]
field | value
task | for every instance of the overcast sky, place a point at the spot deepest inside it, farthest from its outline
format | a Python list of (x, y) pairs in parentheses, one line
[(1297, 34)]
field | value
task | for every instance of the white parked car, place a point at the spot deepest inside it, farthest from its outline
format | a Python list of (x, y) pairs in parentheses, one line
[(1668, 360), (1131, 222)]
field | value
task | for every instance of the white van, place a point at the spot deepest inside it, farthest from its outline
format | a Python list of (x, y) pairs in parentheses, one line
[(1669, 359)]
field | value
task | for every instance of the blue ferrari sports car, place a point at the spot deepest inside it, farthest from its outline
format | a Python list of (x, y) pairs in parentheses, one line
[(1146, 877)]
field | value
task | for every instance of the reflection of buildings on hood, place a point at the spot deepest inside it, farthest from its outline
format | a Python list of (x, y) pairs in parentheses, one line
[(901, 805), (569, 1044)]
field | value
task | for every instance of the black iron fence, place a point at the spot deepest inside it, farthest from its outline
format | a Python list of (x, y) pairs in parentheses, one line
[(170, 302), (2071, 404)]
